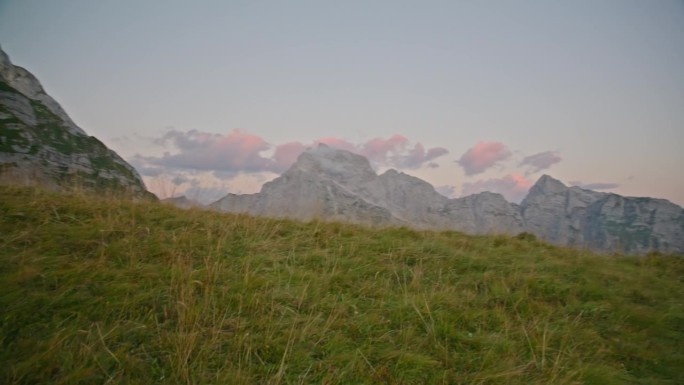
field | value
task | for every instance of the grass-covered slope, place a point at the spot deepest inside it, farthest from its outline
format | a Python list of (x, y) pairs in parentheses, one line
[(102, 291)]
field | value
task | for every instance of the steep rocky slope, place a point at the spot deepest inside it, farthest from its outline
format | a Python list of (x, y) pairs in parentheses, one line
[(599, 221), (40, 144)]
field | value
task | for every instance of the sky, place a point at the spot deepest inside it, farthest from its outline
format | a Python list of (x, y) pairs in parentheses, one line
[(210, 97)]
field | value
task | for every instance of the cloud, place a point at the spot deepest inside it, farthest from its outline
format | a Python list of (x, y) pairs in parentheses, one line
[(150, 171), (140, 164), (228, 158), (286, 154), (513, 187), (379, 149), (483, 156), (595, 186), (180, 179), (224, 175), (395, 151), (417, 157), (436, 152), (233, 152), (540, 161)]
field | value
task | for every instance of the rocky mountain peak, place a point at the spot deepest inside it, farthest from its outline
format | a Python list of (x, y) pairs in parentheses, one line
[(28, 85), (547, 185), (5, 62), (340, 165), (337, 185)]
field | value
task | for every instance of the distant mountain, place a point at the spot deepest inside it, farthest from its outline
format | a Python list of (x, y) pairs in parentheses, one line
[(40, 144), (323, 183), (337, 185), (607, 222)]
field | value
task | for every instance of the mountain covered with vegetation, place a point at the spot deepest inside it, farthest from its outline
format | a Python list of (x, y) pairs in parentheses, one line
[(98, 290)]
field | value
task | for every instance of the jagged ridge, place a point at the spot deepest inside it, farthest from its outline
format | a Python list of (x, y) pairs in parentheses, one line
[(337, 185)]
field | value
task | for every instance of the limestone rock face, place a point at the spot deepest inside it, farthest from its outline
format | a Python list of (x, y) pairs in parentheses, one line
[(485, 213), (573, 216), (40, 144), (634, 225), (555, 212), (409, 198)]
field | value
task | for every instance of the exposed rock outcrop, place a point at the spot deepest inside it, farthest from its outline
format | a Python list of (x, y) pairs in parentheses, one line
[(555, 212), (40, 144), (606, 222)]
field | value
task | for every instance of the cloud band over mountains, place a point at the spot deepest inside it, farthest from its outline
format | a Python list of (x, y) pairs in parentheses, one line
[(243, 152)]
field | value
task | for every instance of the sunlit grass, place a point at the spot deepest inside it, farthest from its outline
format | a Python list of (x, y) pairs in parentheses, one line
[(108, 291)]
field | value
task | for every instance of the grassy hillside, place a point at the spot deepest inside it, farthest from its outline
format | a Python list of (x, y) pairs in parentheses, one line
[(104, 291)]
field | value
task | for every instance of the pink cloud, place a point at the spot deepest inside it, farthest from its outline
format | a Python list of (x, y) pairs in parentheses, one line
[(483, 156), (540, 161), (286, 154), (238, 151), (378, 149), (513, 187), (417, 157), (233, 152), (394, 151)]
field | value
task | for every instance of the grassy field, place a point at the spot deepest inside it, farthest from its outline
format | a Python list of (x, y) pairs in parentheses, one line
[(96, 290)]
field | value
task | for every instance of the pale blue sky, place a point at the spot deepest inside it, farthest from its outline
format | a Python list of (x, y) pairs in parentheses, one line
[(597, 84)]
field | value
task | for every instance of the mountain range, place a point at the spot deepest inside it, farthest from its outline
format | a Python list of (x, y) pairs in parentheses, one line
[(40, 144), (336, 185)]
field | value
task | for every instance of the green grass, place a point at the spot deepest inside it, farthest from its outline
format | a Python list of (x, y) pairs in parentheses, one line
[(106, 291)]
